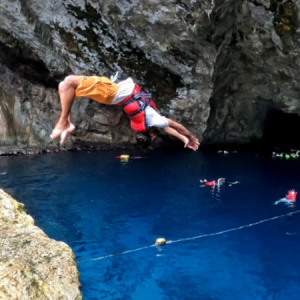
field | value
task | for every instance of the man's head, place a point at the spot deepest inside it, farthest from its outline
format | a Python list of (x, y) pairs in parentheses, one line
[(144, 139)]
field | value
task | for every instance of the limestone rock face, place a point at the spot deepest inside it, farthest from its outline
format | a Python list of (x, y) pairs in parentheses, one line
[(33, 266), (257, 68), (217, 66), (161, 44)]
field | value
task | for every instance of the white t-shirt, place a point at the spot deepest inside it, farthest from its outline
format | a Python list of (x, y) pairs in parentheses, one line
[(125, 89), (153, 118)]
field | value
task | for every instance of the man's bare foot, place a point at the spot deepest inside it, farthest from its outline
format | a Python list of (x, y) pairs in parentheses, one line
[(57, 131), (65, 133)]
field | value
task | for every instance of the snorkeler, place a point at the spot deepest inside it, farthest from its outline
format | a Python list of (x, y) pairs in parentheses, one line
[(219, 182), (289, 199), (138, 105)]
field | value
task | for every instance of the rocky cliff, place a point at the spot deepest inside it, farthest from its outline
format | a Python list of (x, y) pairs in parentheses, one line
[(32, 266), (227, 69)]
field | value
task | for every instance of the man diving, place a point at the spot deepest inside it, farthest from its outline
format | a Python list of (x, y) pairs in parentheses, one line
[(143, 114)]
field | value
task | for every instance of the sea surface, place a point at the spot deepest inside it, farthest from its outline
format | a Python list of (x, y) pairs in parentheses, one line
[(230, 242)]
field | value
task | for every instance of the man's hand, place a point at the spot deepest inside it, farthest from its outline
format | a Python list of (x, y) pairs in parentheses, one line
[(191, 144), (194, 140), (189, 141), (185, 141)]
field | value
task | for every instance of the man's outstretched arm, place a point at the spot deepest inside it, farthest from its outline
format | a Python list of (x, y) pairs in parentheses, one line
[(181, 129), (187, 143), (183, 134), (175, 133)]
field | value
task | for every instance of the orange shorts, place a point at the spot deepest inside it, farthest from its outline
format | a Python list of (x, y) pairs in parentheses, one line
[(100, 89)]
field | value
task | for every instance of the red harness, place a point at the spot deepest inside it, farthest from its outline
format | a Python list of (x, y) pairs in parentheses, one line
[(134, 106)]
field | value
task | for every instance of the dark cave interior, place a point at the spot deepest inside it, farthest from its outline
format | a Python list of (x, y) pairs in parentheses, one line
[(281, 130)]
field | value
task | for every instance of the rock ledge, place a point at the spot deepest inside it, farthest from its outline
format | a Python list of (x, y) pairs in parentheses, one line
[(33, 266)]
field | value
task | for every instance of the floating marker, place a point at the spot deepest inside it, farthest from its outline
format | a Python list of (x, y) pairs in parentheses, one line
[(123, 156), (126, 157), (160, 242), (224, 152)]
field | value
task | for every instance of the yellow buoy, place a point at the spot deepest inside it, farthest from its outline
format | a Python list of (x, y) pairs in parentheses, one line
[(160, 242), (124, 156)]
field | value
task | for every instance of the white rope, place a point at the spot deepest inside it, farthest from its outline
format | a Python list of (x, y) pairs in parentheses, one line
[(116, 254), (191, 238), (232, 229)]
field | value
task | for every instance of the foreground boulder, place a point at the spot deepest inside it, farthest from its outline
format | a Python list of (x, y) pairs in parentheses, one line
[(33, 266)]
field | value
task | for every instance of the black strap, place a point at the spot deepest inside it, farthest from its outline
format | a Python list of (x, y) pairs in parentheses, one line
[(136, 98), (139, 96), (142, 108)]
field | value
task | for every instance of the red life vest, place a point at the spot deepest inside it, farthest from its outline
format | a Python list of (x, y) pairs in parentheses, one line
[(134, 106), (292, 195), (210, 183)]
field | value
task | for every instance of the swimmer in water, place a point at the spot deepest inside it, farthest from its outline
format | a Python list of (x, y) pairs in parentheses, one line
[(219, 182), (289, 199)]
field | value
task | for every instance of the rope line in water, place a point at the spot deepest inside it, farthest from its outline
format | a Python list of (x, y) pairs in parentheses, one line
[(116, 254), (192, 238), (232, 229)]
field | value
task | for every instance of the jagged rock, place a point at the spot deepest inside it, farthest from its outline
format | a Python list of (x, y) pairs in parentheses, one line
[(256, 70), (161, 45), (218, 66), (33, 266)]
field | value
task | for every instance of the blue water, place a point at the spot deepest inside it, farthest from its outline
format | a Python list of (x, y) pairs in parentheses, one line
[(100, 206)]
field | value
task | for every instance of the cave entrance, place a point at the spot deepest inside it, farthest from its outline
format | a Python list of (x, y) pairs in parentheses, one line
[(281, 130)]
